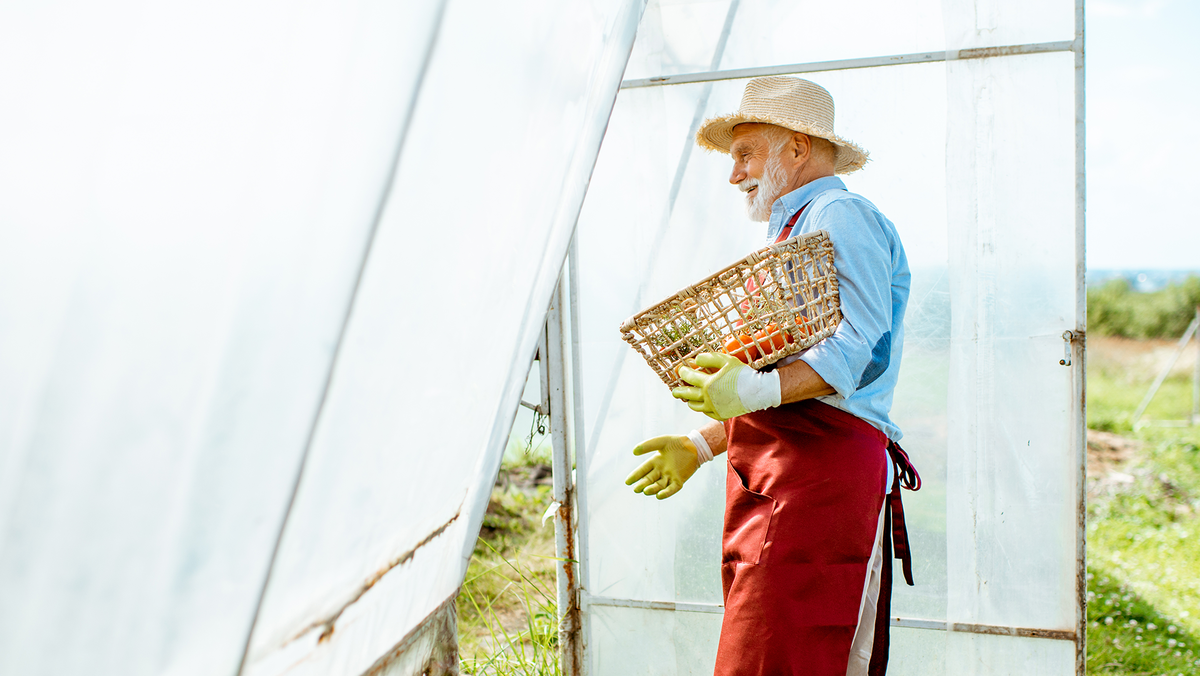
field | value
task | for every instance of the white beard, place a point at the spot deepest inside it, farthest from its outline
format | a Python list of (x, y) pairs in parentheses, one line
[(770, 188)]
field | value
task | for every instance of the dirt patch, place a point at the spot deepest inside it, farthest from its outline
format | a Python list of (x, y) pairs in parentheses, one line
[(524, 477), (1109, 456), (1141, 359), (1108, 452)]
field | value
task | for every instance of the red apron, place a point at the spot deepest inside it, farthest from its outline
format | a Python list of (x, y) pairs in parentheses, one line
[(804, 492)]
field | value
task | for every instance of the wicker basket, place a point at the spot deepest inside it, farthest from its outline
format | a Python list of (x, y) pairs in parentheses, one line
[(775, 302)]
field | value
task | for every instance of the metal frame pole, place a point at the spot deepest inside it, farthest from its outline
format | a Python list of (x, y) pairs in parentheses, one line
[(1079, 343), (715, 75), (566, 572), (574, 358), (1166, 371)]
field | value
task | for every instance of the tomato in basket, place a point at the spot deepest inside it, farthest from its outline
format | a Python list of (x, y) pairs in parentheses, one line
[(742, 346), (772, 338), (805, 325)]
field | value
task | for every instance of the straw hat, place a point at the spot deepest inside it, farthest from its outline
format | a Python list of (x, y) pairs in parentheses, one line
[(787, 102)]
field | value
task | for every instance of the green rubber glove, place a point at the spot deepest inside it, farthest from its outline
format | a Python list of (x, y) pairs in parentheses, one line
[(663, 475), (734, 389)]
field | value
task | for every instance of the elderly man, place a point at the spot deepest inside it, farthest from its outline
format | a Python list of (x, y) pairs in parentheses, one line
[(813, 464)]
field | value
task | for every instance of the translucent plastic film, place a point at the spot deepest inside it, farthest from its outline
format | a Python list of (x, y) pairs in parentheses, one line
[(686, 36), (1012, 507), (639, 641), (974, 163), (921, 651), (636, 247), (469, 248), (188, 192)]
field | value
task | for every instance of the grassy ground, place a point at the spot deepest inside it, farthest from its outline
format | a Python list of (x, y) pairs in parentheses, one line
[(507, 622), (1144, 515)]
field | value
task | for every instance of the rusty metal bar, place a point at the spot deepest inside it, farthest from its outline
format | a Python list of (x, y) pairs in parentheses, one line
[(578, 436), (653, 605), (578, 441), (851, 64), (1079, 344), (536, 408), (990, 629), (554, 396), (1023, 632)]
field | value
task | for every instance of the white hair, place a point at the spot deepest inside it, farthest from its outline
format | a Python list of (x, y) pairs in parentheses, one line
[(778, 138)]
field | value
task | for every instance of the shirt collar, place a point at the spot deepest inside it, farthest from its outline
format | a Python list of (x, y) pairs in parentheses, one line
[(786, 206)]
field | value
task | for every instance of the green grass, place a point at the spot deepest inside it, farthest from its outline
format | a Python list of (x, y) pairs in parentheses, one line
[(507, 618), (507, 615), (1147, 532), (1143, 526), (1127, 635)]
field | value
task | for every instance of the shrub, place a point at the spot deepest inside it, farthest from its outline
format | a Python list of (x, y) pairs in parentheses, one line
[(1116, 309)]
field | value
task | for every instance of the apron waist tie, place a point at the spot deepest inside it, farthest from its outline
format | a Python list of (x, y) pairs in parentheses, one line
[(907, 477)]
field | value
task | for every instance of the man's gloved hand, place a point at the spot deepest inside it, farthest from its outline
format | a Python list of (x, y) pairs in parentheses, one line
[(663, 475), (734, 389)]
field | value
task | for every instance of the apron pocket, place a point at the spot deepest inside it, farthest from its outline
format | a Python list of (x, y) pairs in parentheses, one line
[(747, 521)]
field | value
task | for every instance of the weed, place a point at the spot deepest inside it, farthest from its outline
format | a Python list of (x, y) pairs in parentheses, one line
[(530, 649), (507, 615)]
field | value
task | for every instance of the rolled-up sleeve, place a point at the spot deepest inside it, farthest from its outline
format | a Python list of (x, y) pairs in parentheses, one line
[(860, 350)]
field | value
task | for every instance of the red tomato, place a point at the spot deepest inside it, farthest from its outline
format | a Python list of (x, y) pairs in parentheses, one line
[(742, 347), (805, 326), (772, 338)]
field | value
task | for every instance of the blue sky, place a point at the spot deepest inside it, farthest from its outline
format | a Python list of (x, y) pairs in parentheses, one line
[(1143, 89)]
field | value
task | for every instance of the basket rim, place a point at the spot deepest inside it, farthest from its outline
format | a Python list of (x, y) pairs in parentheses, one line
[(753, 257)]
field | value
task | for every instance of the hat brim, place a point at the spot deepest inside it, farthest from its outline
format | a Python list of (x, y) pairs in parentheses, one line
[(716, 134)]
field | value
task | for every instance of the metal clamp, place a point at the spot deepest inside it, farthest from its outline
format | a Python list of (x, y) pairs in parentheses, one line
[(1068, 337)]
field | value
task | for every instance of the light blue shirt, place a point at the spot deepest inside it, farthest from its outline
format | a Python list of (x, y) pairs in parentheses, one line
[(861, 360)]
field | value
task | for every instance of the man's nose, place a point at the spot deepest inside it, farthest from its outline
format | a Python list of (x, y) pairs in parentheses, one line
[(738, 174)]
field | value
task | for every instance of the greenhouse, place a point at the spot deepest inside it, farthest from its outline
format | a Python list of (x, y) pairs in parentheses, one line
[(274, 275)]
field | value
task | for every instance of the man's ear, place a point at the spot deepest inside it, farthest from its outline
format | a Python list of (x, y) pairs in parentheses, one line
[(801, 147)]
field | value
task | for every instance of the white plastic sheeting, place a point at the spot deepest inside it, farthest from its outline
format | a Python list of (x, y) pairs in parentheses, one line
[(188, 192), (191, 192), (974, 161), (1009, 401), (470, 246)]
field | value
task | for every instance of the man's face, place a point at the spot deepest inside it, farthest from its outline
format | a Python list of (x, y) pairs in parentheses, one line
[(756, 171)]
